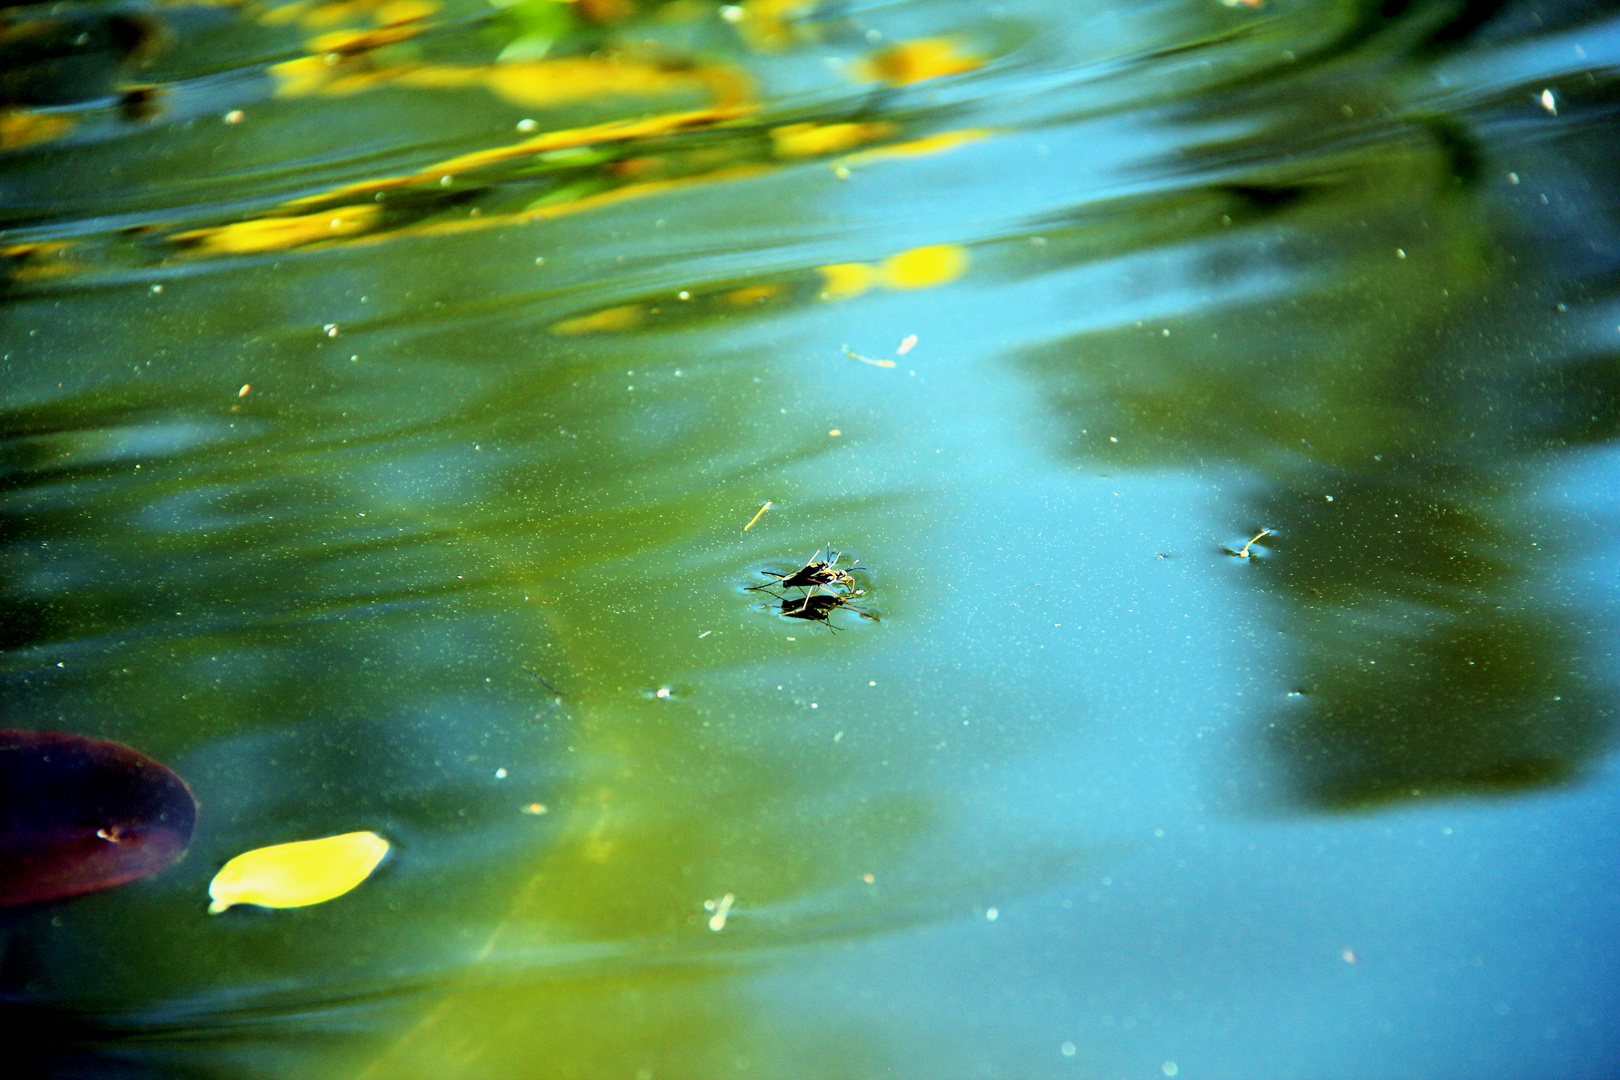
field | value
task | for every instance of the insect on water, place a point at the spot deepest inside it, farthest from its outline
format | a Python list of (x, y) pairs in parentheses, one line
[(814, 575)]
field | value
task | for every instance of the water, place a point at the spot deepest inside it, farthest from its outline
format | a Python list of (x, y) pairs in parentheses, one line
[(370, 485)]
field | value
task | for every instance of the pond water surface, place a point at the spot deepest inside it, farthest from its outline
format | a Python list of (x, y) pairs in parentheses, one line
[(1219, 402)]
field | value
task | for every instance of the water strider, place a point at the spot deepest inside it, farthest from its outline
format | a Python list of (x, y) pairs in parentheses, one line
[(814, 574)]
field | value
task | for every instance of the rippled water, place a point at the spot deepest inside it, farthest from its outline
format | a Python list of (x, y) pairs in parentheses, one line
[(387, 386)]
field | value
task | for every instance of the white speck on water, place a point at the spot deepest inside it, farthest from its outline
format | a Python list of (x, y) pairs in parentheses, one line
[(1068, 1049), (721, 909), (331, 329), (662, 691), (992, 914), (526, 124), (1170, 1068), (500, 774), (1549, 102)]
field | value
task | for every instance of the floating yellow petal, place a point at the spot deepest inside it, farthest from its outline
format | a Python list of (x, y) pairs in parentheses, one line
[(297, 874)]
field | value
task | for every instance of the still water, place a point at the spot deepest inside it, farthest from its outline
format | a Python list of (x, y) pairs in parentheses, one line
[(1219, 403)]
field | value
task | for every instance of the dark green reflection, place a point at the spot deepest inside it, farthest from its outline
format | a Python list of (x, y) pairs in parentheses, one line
[(1402, 400)]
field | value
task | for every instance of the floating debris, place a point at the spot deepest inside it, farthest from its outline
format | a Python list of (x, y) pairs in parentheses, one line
[(297, 874), (906, 345), (1245, 553), (757, 516), (78, 815), (721, 909), (853, 355)]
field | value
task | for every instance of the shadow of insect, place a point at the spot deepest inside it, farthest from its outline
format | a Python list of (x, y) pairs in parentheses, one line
[(818, 607)]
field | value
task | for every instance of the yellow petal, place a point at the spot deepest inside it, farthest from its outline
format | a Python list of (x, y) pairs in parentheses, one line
[(297, 874)]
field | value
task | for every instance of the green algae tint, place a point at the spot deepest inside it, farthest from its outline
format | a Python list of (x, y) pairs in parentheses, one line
[(388, 388)]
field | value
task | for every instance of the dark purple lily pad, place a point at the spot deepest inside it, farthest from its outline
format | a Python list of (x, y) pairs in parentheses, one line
[(77, 815)]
